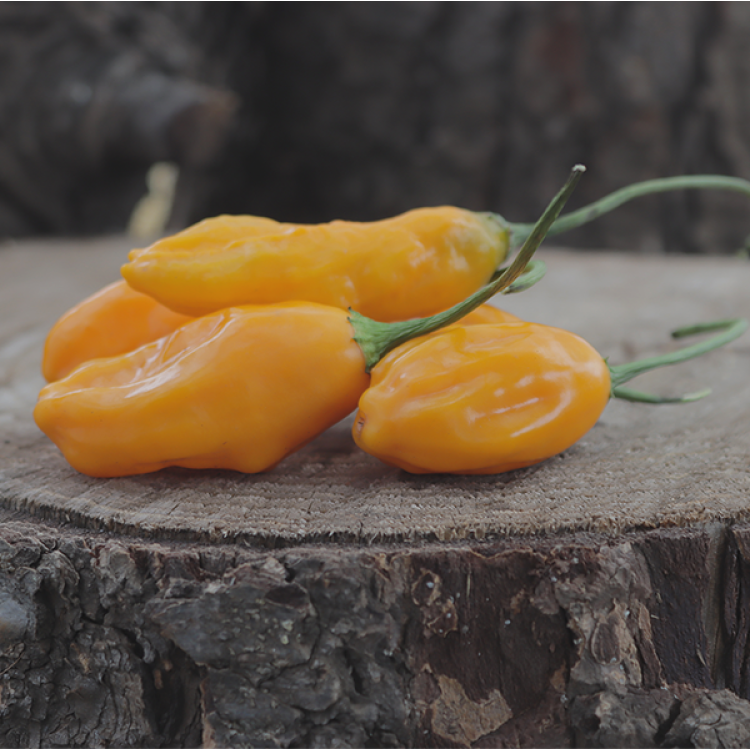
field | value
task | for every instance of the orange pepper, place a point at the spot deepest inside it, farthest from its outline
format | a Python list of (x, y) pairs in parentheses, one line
[(115, 320), (237, 389), (493, 398), (409, 266), (412, 265), (482, 399)]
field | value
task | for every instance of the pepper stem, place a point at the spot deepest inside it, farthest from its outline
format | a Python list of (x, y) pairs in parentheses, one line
[(534, 273), (730, 330), (519, 232), (376, 339)]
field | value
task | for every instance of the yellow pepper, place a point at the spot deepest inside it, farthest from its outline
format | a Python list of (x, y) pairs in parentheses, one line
[(482, 399), (238, 389), (492, 398), (115, 320), (409, 266)]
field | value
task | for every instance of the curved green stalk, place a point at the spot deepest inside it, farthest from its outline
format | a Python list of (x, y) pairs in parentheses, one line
[(729, 330), (376, 339), (628, 394), (582, 216), (534, 273)]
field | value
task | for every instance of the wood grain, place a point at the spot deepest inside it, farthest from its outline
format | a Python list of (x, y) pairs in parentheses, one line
[(597, 600), (640, 466)]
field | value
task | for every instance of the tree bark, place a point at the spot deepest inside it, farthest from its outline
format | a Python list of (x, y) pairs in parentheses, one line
[(574, 641), (597, 600)]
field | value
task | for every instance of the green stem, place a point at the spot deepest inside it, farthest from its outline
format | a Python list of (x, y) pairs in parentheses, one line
[(575, 219), (534, 273), (376, 339), (729, 330), (628, 394)]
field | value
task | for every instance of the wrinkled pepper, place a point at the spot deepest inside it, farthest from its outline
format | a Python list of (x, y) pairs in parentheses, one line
[(493, 398), (237, 389), (115, 320), (409, 266)]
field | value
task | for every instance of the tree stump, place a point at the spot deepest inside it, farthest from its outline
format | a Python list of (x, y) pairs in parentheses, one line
[(599, 599)]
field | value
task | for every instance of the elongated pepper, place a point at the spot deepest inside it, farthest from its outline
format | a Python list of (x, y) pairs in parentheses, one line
[(409, 266), (237, 389)]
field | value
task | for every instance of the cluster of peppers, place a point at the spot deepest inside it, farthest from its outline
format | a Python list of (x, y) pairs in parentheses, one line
[(233, 343)]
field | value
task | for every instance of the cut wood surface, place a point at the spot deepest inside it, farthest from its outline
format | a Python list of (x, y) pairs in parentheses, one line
[(597, 600), (641, 466)]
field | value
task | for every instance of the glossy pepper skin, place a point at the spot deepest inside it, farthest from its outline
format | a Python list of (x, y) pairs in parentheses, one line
[(115, 320), (243, 387), (239, 389), (482, 399), (409, 266)]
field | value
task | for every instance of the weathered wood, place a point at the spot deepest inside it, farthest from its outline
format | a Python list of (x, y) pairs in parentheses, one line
[(599, 600), (516, 643), (640, 466)]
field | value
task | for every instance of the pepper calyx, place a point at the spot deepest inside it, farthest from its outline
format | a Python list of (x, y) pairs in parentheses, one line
[(376, 339)]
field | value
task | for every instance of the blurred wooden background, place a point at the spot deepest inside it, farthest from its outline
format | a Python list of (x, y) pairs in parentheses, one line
[(315, 111)]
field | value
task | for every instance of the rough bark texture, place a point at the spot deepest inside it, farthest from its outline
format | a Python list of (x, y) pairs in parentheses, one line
[(363, 110), (635, 638), (577, 640)]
